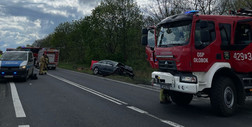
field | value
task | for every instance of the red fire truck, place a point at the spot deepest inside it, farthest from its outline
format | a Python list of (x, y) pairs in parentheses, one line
[(206, 56), (53, 57)]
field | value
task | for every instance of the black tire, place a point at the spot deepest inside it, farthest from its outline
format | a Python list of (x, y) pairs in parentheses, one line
[(223, 96), (25, 78), (181, 98), (96, 70)]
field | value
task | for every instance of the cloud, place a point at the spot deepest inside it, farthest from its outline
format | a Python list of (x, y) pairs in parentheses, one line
[(24, 21)]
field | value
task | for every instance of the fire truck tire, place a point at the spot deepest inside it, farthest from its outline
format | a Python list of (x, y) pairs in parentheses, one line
[(223, 96), (181, 98)]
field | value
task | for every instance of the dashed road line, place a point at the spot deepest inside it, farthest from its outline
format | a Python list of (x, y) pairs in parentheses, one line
[(109, 98), (137, 109), (116, 101), (16, 101), (152, 88), (23, 125), (173, 124)]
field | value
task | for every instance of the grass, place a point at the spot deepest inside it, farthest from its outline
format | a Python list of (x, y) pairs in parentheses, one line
[(141, 76)]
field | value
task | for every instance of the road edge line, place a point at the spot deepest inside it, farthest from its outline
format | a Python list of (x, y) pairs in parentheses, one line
[(19, 110)]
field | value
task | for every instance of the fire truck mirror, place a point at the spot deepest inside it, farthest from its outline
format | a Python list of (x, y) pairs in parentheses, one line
[(144, 31), (203, 24), (144, 40)]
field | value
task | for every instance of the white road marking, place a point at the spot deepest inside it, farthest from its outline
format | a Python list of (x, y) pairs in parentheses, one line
[(23, 125), (137, 109), (114, 100), (130, 84), (171, 123), (150, 115), (16, 101)]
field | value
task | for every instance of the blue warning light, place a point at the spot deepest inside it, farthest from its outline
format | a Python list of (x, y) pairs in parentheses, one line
[(192, 11), (14, 73), (3, 73)]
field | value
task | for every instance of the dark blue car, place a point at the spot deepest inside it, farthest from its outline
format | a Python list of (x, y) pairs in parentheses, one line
[(108, 67)]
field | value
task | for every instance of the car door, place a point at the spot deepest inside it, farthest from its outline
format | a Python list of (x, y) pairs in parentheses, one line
[(110, 67)]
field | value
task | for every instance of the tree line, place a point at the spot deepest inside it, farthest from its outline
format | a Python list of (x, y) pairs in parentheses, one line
[(113, 30)]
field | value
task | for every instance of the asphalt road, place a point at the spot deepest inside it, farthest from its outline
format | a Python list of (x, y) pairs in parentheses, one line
[(65, 98)]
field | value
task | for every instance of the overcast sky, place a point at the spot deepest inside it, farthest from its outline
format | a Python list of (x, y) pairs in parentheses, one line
[(24, 21)]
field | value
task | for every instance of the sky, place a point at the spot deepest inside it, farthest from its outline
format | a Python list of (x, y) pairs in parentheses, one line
[(24, 21)]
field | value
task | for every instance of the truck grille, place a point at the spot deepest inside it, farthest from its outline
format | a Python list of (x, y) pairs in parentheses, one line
[(167, 65), (9, 68)]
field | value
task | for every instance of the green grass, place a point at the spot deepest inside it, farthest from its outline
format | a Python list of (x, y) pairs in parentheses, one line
[(141, 76)]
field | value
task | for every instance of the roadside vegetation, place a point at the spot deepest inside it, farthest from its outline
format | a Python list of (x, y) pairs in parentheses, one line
[(113, 31)]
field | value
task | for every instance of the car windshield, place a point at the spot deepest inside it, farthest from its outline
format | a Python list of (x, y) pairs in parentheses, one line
[(14, 56), (174, 34)]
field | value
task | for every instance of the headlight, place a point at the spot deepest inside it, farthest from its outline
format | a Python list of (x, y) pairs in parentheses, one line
[(188, 79), (23, 67)]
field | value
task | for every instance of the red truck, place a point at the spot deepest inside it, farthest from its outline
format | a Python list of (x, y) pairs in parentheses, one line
[(53, 56), (206, 56)]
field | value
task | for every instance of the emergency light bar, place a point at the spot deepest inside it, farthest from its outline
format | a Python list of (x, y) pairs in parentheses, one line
[(242, 12), (192, 11)]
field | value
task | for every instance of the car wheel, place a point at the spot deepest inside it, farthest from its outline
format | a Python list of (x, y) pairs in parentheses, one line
[(25, 77), (96, 70)]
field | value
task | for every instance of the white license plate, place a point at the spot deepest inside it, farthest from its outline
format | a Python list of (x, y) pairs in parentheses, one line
[(8, 76)]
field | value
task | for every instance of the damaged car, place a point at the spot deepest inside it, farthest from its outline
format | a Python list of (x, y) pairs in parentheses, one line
[(109, 67)]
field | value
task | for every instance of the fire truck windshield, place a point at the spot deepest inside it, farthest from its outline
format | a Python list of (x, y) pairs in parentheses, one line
[(174, 34)]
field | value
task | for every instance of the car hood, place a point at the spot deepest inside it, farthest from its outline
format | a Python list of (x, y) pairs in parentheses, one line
[(12, 63), (128, 68)]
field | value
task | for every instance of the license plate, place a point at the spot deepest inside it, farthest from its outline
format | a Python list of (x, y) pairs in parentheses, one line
[(164, 86), (8, 76)]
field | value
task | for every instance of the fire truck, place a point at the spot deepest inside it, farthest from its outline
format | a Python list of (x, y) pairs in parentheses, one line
[(53, 57), (205, 56)]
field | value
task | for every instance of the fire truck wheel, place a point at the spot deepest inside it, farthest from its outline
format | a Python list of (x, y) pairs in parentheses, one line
[(181, 98), (96, 70), (223, 96)]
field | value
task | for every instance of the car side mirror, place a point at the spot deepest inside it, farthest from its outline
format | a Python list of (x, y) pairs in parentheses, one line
[(144, 36)]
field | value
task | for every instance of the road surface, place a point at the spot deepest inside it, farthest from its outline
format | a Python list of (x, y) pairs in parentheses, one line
[(64, 98)]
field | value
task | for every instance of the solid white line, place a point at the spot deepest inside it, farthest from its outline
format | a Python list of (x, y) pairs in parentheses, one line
[(23, 125), (109, 98), (16, 101)]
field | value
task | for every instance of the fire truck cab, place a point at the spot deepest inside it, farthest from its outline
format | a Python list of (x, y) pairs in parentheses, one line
[(205, 55)]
